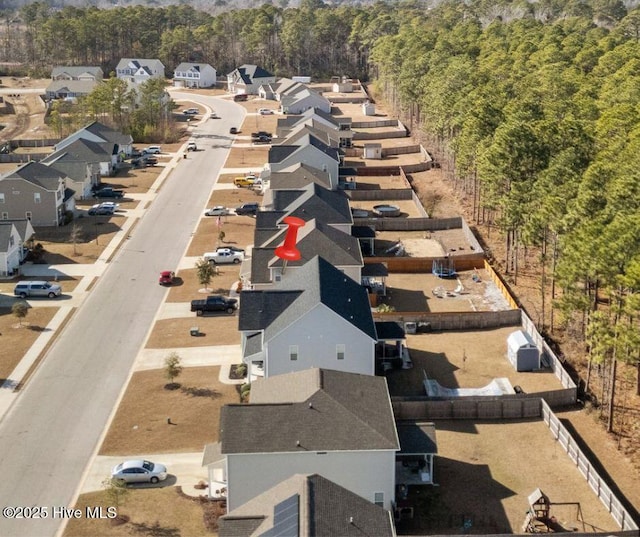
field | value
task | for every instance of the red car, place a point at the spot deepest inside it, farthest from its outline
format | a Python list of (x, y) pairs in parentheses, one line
[(166, 277)]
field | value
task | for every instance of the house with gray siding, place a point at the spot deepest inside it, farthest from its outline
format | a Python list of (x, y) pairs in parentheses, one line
[(247, 79), (36, 192), (82, 162), (312, 316), (335, 424), (69, 81), (112, 142), (337, 126)]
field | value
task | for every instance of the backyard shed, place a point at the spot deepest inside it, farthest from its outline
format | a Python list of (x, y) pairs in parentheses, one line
[(373, 151), (522, 352), (369, 109)]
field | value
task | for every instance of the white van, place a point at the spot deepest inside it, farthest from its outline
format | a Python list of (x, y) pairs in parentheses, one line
[(37, 288)]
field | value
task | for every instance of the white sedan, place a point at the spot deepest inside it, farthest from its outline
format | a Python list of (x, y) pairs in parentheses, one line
[(218, 210)]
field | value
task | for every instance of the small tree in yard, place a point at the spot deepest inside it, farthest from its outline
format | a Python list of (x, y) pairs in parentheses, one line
[(75, 235), (20, 310), (206, 272), (116, 493), (172, 369)]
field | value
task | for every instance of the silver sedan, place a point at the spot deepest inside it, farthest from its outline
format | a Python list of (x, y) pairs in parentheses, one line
[(139, 471)]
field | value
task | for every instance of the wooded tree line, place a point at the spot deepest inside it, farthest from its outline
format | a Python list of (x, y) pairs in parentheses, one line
[(536, 117), (310, 40)]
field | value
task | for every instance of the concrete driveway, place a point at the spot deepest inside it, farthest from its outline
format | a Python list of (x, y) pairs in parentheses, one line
[(184, 469)]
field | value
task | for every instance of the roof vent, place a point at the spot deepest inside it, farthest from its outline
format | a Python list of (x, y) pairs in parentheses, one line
[(310, 405), (298, 443), (350, 520)]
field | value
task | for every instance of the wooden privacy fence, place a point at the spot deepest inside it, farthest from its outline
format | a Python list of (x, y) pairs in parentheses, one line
[(412, 224), (378, 195), (466, 320), (403, 150), (593, 478), (411, 265), (374, 123)]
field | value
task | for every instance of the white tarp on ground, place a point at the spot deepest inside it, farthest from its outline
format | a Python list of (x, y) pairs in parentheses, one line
[(499, 386)]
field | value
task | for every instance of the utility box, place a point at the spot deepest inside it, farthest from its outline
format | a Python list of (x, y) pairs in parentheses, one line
[(522, 352)]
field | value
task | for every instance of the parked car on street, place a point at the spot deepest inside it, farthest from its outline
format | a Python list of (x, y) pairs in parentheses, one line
[(139, 471), (37, 288), (213, 115), (152, 150), (167, 277), (192, 146), (214, 303), (223, 256), (247, 209), (190, 112), (218, 210), (108, 192), (233, 130)]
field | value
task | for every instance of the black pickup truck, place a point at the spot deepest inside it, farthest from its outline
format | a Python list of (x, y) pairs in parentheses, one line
[(214, 303), (108, 192)]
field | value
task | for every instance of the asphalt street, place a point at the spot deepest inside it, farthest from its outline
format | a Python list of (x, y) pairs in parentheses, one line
[(50, 434)]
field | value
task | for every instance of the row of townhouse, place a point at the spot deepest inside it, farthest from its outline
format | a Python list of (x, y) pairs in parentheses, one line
[(317, 446), (42, 193)]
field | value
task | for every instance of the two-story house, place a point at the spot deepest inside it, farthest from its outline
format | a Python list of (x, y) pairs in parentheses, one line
[(82, 162), (313, 316), (139, 70), (338, 127), (36, 192), (315, 238), (332, 423), (194, 75), (307, 506), (114, 143), (308, 149), (73, 81), (247, 79)]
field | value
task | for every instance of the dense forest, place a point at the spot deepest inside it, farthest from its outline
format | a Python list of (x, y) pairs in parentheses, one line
[(532, 108)]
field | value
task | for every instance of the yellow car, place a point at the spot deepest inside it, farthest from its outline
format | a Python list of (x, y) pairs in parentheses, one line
[(244, 181)]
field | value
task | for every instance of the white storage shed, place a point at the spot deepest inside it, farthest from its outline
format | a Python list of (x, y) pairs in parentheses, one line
[(522, 352)]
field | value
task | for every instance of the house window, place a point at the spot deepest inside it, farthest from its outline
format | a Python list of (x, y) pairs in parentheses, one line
[(11, 241), (340, 352), (36, 197), (28, 215), (5, 216), (293, 352), (378, 498), (1, 197)]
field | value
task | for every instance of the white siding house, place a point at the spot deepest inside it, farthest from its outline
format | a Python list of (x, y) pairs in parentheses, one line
[(194, 75)]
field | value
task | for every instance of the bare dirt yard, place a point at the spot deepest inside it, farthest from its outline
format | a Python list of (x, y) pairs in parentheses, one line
[(486, 470), (140, 424), (460, 359)]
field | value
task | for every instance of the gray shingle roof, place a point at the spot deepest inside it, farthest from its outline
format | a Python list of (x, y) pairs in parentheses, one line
[(314, 238), (5, 234), (325, 509), (417, 437), (321, 283), (298, 176), (38, 174), (314, 201), (75, 71), (345, 411), (81, 150), (260, 308), (77, 87)]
